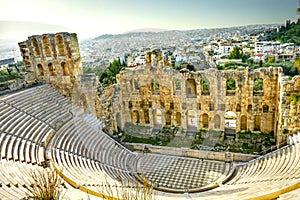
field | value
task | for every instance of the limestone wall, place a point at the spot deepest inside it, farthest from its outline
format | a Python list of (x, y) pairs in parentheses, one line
[(160, 96), (288, 112), (55, 59), (52, 58)]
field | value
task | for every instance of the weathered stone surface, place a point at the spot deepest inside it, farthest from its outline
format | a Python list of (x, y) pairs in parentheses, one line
[(160, 96), (55, 59)]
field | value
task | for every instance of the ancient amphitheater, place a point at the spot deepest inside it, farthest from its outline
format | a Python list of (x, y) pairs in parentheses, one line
[(52, 126)]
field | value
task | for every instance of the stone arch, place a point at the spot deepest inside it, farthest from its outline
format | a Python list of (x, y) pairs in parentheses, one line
[(158, 117), (230, 123), (60, 45), (192, 120), (258, 86), (205, 87), (265, 108), (146, 116), (217, 121), (135, 84), (52, 69), (191, 89), (250, 108), (64, 68), (243, 123), (205, 120), (178, 119), (257, 121), (47, 45), (230, 86), (168, 118), (177, 84), (135, 118), (40, 69), (36, 47)]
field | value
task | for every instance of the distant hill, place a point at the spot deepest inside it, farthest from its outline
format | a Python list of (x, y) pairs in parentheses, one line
[(144, 30)]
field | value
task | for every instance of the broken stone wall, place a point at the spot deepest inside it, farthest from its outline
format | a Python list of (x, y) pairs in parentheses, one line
[(160, 96)]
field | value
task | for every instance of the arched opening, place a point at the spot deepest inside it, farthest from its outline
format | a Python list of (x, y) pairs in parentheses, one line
[(217, 121), (40, 69), (158, 117), (135, 117), (178, 119), (205, 120), (60, 45), (265, 108), (192, 120), (243, 123), (52, 69), (146, 116), (135, 84), (257, 123), (177, 84), (249, 108), (205, 87), (191, 89), (84, 100), (230, 123), (258, 86), (36, 47), (168, 118), (230, 87), (155, 86), (238, 108), (47, 45), (64, 69)]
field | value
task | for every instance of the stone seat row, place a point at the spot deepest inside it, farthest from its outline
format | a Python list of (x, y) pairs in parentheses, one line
[(282, 164), (79, 139), (46, 104)]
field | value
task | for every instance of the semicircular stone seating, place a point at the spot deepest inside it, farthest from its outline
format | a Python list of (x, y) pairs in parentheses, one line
[(38, 124)]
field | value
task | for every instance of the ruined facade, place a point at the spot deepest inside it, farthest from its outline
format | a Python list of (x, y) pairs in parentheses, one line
[(55, 59), (160, 96)]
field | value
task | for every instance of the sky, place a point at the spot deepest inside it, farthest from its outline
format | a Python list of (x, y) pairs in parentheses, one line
[(91, 18)]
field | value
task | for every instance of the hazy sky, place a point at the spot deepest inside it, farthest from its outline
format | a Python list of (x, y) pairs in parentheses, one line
[(94, 17)]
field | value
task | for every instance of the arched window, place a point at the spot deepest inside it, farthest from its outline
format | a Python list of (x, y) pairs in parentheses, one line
[(146, 116), (40, 69), (168, 118), (178, 119), (230, 87), (47, 45), (177, 84), (205, 87), (155, 86), (217, 122), (265, 108), (135, 116), (257, 123), (135, 84), (191, 88), (205, 120), (258, 86), (243, 123), (36, 47), (52, 69), (64, 69), (60, 45)]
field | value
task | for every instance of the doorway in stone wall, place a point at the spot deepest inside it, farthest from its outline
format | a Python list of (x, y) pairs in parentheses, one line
[(192, 120), (230, 123)]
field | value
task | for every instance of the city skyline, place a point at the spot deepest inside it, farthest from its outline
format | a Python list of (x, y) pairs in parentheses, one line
[(91, 18)]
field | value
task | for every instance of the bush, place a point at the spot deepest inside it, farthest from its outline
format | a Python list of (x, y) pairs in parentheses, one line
[(47, 185)]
